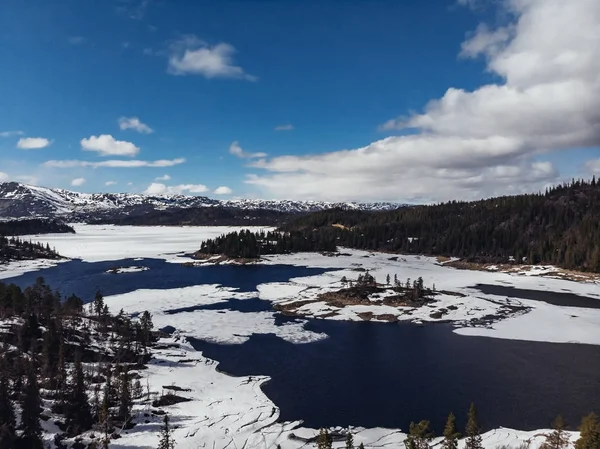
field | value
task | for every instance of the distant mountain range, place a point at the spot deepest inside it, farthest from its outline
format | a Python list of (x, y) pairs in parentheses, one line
[(21, 200)]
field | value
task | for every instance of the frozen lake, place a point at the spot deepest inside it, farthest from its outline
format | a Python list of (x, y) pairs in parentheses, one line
[(350, 373)]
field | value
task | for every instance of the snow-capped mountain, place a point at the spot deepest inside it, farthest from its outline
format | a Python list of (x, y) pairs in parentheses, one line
[(21, 200)]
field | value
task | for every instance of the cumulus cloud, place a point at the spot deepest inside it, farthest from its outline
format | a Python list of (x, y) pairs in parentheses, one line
[(157, 188), (163, 178), (135, 124), (110, 183), (107, 145), (11, 133), (114, 163), (223, 190), (4, 176), (237, 150), (287, 127), (78, 182), (33, 143), (472, 144), (192, 56)]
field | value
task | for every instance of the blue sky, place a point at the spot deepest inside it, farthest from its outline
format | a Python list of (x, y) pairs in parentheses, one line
[(156, 80)]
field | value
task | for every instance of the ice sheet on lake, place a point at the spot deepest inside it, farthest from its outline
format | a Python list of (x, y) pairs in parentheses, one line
[(219, 326), (95, 243)]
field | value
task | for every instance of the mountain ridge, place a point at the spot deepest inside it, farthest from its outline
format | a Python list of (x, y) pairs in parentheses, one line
[(19, 200)]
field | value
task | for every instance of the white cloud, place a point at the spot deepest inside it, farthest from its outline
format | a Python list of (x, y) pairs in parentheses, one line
[(163, 178), (114, 163), (472, 144), (11, 133), (4, 177), (135, 124), (78, 182), (287, 127), (223, 190), (110, 183), (33, 143), (157, 188), (107, 145), (191, 56), (237, 150), (130, 183)]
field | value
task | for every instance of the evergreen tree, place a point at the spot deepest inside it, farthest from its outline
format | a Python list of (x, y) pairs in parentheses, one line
[(558, 438), (361, 446), (387, 279), (419, 436), (350, 439), (166, 435), (98, 303), (7, 411), (473, 431), (451, 436), (589, 436), (125, 401), (30, 415), (78, 415), (324, 440)]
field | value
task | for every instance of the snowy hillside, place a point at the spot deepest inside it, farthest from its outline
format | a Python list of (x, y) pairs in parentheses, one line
[(21, 200)]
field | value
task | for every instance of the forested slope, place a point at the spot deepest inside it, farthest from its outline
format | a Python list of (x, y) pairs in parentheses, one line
[(560, 226)]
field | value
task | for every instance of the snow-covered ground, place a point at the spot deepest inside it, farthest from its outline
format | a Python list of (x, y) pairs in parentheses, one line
[(233, 411)]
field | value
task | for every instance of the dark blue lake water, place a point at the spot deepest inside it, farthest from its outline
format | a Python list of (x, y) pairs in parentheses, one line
[(372, 374)]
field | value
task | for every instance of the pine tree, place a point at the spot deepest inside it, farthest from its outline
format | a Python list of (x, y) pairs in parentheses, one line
[(473, 431), (350, 438), (125, 401), (78, 414), (419, 436), (32, 409), (451, 436), (558, 438), (98, 303), (361, 446), (166, 435), (324, 440), (387, 279), (7, 411), (589, 437)]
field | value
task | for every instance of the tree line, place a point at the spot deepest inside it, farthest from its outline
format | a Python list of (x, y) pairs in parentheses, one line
[(246, 244), (420, 435), (560, 226)]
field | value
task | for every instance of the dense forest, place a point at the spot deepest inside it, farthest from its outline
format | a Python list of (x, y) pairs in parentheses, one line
[(30, 226), (249, 245), (560, 226), (201, 216), (14, 248)]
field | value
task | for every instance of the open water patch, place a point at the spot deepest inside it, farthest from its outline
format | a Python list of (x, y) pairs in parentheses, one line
[(387, 375), (84, 279), (555, 298)]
